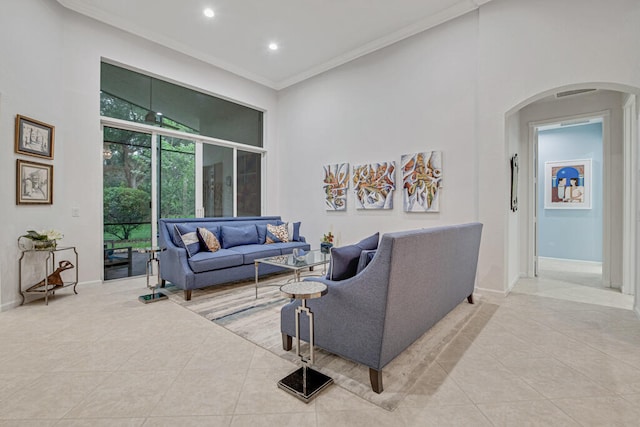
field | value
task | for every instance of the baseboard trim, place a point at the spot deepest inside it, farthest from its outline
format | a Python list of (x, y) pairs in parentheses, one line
[(502, 294), (637, 311), (571, 260)]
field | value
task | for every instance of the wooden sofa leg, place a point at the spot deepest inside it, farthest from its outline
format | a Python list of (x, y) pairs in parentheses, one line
[(187, 295), (163, 283), (287, 342), (376, 380), (470, 299)]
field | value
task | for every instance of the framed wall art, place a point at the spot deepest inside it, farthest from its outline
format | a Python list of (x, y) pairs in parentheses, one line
[(335, 184), (34, 183), (567, 184), (34, 138), (374, 184), (422, 181)]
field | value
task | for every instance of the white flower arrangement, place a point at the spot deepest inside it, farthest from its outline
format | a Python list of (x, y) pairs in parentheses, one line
[(45, 235)]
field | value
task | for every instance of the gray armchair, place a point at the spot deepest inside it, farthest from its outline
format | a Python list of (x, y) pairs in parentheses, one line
[(413, 281)]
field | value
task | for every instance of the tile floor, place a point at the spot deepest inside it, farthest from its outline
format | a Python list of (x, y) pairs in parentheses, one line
[(101, 358)]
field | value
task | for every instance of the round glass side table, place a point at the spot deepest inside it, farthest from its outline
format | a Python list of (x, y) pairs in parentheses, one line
[(304, 383)]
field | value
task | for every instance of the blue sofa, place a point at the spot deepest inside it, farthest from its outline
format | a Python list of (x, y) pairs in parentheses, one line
[(228, 264), (414, 279)]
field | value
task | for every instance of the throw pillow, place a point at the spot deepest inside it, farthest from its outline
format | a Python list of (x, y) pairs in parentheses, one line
[(187, 238), (365, 258), (277, 233), (344, 260), (238, 235), (208, 240), (262, 233), (295, 234)]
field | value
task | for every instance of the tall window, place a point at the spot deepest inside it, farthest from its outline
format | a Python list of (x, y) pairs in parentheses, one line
[(176, 138)]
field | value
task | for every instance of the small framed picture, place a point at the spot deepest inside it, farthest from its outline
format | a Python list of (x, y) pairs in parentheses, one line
[(34, 183), (34, 138)]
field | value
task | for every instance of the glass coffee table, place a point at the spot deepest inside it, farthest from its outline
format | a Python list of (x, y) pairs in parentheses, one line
[(310, 260)]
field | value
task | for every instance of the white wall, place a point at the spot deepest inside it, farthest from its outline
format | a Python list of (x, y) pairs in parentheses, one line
[(514, 218), (416, 95), (51, 72), (555, 110)]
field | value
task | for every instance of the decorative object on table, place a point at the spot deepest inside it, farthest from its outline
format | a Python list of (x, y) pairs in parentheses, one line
[(421, 181), (304, 383), (39, 240), (374, 184), (336, 183), (327, 243), (54, 280), (34, 183), (515, 168), (34, 138), (299, 254), (567, 184)]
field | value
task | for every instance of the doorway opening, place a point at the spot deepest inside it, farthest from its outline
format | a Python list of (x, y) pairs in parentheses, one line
[(570, 201)]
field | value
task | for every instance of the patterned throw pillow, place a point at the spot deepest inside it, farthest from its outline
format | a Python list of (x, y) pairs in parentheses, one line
[(209, 239), (277, 233)]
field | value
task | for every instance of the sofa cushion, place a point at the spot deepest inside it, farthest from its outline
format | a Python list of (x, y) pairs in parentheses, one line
[(252, 252), (277, 233), (365, 258), (187, 237), (207, 261), (286, 248), (208, 240), (344, 260), (239, 235)]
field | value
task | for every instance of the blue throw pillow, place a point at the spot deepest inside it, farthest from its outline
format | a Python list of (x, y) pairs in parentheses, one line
[(186, 237), (365, 258), (239, 235), (296, 232), (262, 232), (344, 260)]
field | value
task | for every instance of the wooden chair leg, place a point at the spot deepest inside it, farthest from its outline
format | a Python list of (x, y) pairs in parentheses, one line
[(470, 299), (163, 283), (375, 377), (187, 295), (287, 342)]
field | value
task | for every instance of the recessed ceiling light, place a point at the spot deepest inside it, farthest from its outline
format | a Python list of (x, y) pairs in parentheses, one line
[(209, 13), (273, 46)]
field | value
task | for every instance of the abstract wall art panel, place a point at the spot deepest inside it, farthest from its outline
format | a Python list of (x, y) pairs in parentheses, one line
[(567, 184), (374, 185), (421, 181), (336, 182)]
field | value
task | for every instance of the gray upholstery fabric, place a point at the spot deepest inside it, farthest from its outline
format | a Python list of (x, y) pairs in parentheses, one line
[(413, 281)]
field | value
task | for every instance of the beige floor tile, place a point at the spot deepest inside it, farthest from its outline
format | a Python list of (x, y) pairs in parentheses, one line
[(435, 388), (609, 372), (11, 383), (125, 394), (466, 415), (51, 395), (280, 420), (201, 421), (532, 413), (28, 423), (335, 398), (601, 411), (101, 422), (554, 379), (370, 418)]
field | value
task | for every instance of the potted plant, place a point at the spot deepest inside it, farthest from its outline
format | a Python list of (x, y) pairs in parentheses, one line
[(327, 243), (43, 239)]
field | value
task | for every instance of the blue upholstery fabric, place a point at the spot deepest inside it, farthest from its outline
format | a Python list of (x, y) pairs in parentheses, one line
[(365, 258), (344, 260), (238, 235), (296, 232), (187, 238), (206, 261), (414, 280), (252, 252)]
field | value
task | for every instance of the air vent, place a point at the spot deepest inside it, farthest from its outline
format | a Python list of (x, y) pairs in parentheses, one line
[(573, 92)]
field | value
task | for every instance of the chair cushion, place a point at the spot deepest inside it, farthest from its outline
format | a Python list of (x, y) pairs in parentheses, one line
[(344, 260), (186, 237), (207, 261), (239, 235), (208, 240), (252, 252), (277, 233)]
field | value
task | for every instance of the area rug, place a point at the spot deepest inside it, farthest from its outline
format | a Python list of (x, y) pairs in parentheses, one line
[(236, 308)]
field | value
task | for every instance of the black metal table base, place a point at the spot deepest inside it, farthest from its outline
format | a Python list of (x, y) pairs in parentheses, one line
[(294, 384), (151, 298)]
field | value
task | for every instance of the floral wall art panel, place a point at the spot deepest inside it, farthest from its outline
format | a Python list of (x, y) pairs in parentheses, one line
[(421, 181), (374, 184), (336, 183)]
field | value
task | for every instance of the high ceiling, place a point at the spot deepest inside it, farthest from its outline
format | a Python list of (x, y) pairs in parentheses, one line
[(312, 35)]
